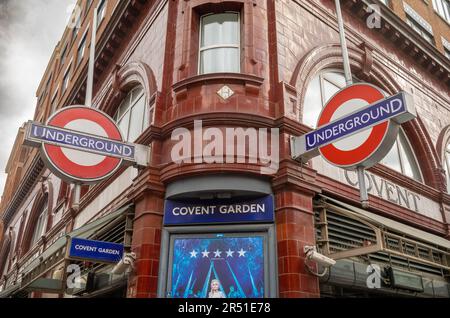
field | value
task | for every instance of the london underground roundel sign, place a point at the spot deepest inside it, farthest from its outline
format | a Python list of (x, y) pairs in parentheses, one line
[(356, 128), (81, 144)]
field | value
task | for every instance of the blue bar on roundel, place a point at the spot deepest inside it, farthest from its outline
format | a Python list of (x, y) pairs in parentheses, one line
[(357, 121)]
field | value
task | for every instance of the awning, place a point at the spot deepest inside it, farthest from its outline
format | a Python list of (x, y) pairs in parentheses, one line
[(55, 253), (9, 291), (394, 225)]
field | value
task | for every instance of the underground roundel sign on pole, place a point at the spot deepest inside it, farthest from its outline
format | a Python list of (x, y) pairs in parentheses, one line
[(357, 127), (83, 145)]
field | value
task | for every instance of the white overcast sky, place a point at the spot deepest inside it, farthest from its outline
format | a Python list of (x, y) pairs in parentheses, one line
[(29, 32)]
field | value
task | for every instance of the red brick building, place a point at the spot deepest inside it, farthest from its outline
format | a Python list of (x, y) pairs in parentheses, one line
[(162, 64)]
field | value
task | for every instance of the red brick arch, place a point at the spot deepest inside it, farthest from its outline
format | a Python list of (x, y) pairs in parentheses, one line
[(126, 78), (365, 66)]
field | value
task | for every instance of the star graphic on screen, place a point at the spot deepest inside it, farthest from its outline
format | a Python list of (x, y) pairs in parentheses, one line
[(193, 254), (217, 253), (242, 252), (229, 253), (205, 253)]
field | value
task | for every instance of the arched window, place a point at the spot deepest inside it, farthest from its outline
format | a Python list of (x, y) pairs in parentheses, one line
[(39, 225), (5, 255), (322, 87), (401, 158), (447, 165), (327, 83), (132, 116)]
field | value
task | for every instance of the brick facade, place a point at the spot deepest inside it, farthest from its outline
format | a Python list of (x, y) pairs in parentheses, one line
[(284, 43)]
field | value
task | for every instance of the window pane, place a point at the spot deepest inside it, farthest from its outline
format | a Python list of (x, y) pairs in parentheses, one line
[(137, 118), (219, 60), (313, 103), (136, 94), (230, 29), (392, 159), (329, 90), (123, 125), (316, 95), (100, 12), (38, 228), (123, 107), (81, 50), (220, 29), (410, 166), (336, 78)]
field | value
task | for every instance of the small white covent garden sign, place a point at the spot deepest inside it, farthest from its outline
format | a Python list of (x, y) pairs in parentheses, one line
[(382, 188)]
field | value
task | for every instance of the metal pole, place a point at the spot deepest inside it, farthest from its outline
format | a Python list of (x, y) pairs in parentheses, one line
[(364, 198), (347, 69), (76, 196), (88, 98), (90, 75)]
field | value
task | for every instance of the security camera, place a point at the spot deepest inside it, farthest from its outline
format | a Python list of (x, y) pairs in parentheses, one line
[(124, 264), (312, 254)]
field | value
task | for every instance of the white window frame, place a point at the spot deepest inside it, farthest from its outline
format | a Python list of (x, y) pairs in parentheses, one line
[(37, 235), (52, 101), (77, 26), (65, 84), (129, 109), (100, 19), (82, 42), (419, 29), (218, 46), (321, 74), (402, 164), (63, 54), (445, 6)]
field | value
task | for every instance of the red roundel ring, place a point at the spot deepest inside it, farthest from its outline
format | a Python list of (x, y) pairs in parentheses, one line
[(343, 158), (71, 169)]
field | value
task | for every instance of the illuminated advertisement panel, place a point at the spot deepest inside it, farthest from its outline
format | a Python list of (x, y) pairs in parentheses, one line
[(218, 267)]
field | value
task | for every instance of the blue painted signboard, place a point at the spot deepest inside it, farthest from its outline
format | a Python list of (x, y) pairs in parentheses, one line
[(81, 141), (360, 120), (258, 210), (97, 251)]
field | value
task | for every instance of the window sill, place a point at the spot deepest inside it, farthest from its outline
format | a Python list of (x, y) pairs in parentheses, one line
[(252, 83)]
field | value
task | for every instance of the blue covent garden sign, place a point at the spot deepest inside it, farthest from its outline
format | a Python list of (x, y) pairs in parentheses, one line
[(258, 210), (97, 251)]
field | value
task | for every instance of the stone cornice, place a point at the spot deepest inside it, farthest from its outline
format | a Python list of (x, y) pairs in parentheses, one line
[(147, 180), (409, 41), (252, 83), (294, 175)]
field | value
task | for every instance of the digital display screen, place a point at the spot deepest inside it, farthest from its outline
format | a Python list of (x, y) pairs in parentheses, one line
[(218, 267)]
